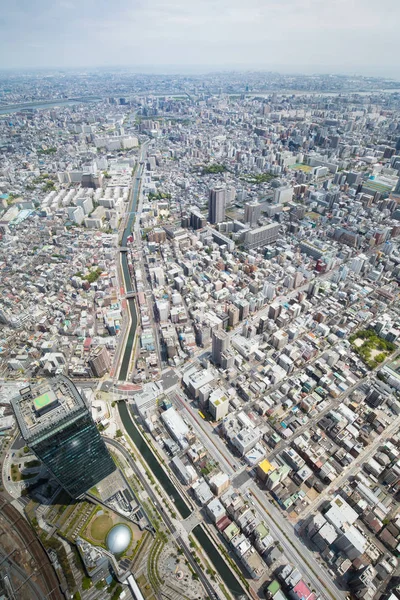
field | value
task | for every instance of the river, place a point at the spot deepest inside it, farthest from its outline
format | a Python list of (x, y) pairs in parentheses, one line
[(13, 108)]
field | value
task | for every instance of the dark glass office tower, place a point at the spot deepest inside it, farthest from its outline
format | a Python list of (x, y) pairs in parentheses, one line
[(56, 424)]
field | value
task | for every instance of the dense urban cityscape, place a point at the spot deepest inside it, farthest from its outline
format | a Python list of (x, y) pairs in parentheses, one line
[(199, 336)]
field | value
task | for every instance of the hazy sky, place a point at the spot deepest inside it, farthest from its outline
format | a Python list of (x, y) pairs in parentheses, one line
[(346, 36)]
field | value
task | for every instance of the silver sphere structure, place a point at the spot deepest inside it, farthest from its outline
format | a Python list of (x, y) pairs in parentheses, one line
[(118, 538)]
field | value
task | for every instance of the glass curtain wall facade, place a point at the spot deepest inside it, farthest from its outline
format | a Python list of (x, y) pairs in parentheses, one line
[(75, 453)]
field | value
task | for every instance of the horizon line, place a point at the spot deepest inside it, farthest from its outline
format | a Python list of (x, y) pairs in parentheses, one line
[(198, 70)]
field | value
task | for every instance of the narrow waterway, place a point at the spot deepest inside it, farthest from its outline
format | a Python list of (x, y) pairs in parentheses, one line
[(152, 460), (123, 372), (184, 510), (214, 554), (205, 542)]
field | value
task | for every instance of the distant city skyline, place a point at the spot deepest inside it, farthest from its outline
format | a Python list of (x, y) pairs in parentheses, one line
[(295, 36)]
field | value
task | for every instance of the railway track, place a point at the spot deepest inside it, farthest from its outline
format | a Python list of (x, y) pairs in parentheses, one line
[(44, 572)]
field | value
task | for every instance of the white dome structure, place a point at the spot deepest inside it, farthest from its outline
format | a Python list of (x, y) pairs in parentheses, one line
[(118, 538)]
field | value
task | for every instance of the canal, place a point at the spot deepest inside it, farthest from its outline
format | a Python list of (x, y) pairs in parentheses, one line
[(204, 540), (123, 372), (126, 359), (214, 554), (152, 460)]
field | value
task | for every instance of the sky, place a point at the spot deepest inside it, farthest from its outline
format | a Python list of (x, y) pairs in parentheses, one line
[(307, 36)]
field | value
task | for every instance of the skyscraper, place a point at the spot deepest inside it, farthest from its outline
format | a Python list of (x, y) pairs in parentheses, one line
[(56, 424), (217, 205), (220, 343)]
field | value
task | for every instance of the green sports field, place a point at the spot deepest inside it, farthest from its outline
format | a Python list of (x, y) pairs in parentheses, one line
[(43, 400)]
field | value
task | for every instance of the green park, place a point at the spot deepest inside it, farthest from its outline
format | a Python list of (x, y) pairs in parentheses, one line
[(371, 348)]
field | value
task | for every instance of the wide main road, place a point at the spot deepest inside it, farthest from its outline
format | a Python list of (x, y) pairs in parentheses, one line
[(280, 528), (299, 555)]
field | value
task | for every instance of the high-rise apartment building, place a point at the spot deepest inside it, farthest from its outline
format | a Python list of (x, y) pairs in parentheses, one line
[(233, 314), (262, 324), (244, 309), (220, 343), (217, 205), (100, 361), (261, 236), (252, 212), (56, 424), (274, 311), (163, 310), (298, 279), (230, 195), (357, 263), (283, 195), (197, 221), (269, 291), (218, 404)]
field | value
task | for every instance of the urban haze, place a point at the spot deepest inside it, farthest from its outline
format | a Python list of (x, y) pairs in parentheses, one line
[(306, 36), (199, 300)]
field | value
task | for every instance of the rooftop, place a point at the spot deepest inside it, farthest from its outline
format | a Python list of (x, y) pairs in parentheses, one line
[(44, 400), (266, 466), (39, 406)]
